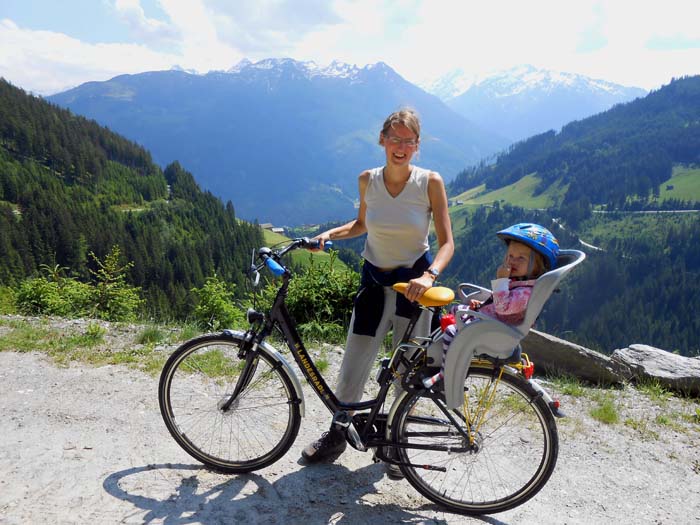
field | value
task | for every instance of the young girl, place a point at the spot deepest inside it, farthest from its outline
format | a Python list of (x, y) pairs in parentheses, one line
[(531, 251)]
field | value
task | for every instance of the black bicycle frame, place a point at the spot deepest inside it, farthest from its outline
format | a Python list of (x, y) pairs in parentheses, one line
[(279, 317)]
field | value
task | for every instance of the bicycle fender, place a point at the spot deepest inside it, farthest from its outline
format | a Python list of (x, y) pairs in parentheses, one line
[(276, 356), (392, 412)]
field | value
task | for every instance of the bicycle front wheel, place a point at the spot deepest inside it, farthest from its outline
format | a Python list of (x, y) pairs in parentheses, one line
[(510, 457), (248, 432)]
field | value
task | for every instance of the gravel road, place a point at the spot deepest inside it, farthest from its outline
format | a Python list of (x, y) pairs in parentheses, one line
[(86, 444)]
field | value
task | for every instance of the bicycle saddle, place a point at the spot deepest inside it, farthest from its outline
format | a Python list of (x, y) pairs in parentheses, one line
[(435, 296)]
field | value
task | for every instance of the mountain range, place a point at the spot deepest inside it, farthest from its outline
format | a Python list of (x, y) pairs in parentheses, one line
[(283, 140), (524, 101)]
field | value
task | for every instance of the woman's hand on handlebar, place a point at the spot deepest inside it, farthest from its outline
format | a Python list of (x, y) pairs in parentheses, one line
[(322, 239), (417, 287)]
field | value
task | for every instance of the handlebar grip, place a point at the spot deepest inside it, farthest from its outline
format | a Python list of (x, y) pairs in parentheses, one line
[(274, 266), (315, 244)]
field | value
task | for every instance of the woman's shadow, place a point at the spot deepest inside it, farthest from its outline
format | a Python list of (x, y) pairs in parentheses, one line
[(313, 495)]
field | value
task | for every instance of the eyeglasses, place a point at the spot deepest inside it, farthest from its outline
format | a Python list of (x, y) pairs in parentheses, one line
[(395, 141)]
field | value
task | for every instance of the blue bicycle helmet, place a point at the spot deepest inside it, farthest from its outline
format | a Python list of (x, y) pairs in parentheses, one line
[(536, 237)]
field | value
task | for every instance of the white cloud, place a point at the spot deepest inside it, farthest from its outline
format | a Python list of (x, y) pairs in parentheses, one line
[(619, 40), (46, 62), (145, 29), (201, 48), (269, 27)]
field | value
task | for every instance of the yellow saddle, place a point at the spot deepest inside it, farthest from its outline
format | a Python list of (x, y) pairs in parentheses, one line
[(435, 296)]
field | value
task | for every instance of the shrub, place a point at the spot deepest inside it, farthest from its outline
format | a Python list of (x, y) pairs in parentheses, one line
[(323, 332), (215, 305), (114, 299), (64, 297), (110, 298), (323, 294)]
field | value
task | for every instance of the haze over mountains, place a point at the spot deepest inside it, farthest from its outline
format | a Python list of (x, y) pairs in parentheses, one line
[(524, 101), (285, 140)]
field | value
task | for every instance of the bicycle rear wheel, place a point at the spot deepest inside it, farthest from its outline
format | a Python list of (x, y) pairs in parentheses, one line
[(513, 455), (256, 429)]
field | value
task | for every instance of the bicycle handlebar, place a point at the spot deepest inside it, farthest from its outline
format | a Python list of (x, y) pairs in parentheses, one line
[(271, 257), (274, 266)]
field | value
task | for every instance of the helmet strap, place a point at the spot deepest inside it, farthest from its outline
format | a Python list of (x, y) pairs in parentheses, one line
[(531, 263)]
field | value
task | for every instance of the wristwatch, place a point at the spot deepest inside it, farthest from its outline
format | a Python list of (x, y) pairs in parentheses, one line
[(434, 272)]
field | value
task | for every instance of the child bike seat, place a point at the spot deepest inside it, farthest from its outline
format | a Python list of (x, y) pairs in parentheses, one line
[(495, 338)]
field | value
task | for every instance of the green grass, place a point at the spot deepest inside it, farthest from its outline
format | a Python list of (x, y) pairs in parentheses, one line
[(7, 301), (605, 411), (685, 184), (150, 334), (186, 332), (64, 347), (641, 425), (653, 389), (603, 229), (520, 193), (322, 364), (568, 385), (213, 363)]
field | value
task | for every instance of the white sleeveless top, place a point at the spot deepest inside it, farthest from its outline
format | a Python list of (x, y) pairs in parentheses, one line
[(397, 227)]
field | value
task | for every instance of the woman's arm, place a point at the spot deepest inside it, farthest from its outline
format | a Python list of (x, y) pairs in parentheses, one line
[(355, 227), (443, 229), (441, 220)]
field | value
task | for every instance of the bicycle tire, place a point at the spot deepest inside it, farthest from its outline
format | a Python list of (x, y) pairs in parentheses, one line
[(515, 453), (261, 424)]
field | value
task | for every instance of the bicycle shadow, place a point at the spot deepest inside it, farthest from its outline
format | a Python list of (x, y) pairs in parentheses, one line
[(313, 495)]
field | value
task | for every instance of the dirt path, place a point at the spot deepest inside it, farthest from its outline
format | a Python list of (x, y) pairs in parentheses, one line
[(87, 445)]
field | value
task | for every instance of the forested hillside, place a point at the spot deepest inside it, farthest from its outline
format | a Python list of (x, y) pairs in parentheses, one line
[(69, 187), (617, 158), (639, 286)]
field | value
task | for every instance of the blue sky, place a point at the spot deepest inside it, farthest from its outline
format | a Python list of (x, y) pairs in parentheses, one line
[(48, 46)]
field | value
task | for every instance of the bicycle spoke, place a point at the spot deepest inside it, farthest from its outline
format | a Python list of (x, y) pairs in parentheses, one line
[(258, 425), (509, 458)]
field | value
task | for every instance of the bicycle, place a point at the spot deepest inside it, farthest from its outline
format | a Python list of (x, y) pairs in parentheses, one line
[(233, 402)]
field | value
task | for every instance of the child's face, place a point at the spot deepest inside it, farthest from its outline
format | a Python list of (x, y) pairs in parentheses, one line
[(517, 259)]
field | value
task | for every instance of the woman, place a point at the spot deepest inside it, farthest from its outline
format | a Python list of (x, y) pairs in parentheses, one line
[(396, 205)]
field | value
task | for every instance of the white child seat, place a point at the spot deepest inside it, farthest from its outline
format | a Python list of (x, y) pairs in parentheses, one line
[(492, 337)]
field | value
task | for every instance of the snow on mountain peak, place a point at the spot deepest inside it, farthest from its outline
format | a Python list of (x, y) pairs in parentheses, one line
[(309, 68), (518, 79)]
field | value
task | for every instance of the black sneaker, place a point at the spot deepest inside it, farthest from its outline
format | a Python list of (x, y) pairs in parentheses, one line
[(328, 447), (393, 471)]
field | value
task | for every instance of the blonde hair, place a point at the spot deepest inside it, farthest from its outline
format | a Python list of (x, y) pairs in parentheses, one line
[(537, 265), (406, 117), (538, 268)]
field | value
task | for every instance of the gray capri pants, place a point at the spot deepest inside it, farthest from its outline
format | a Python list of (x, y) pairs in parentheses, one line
[(361, 350)]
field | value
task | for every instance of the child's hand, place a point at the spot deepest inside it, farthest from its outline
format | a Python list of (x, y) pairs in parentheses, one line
[(503, 271), (474, 304)]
